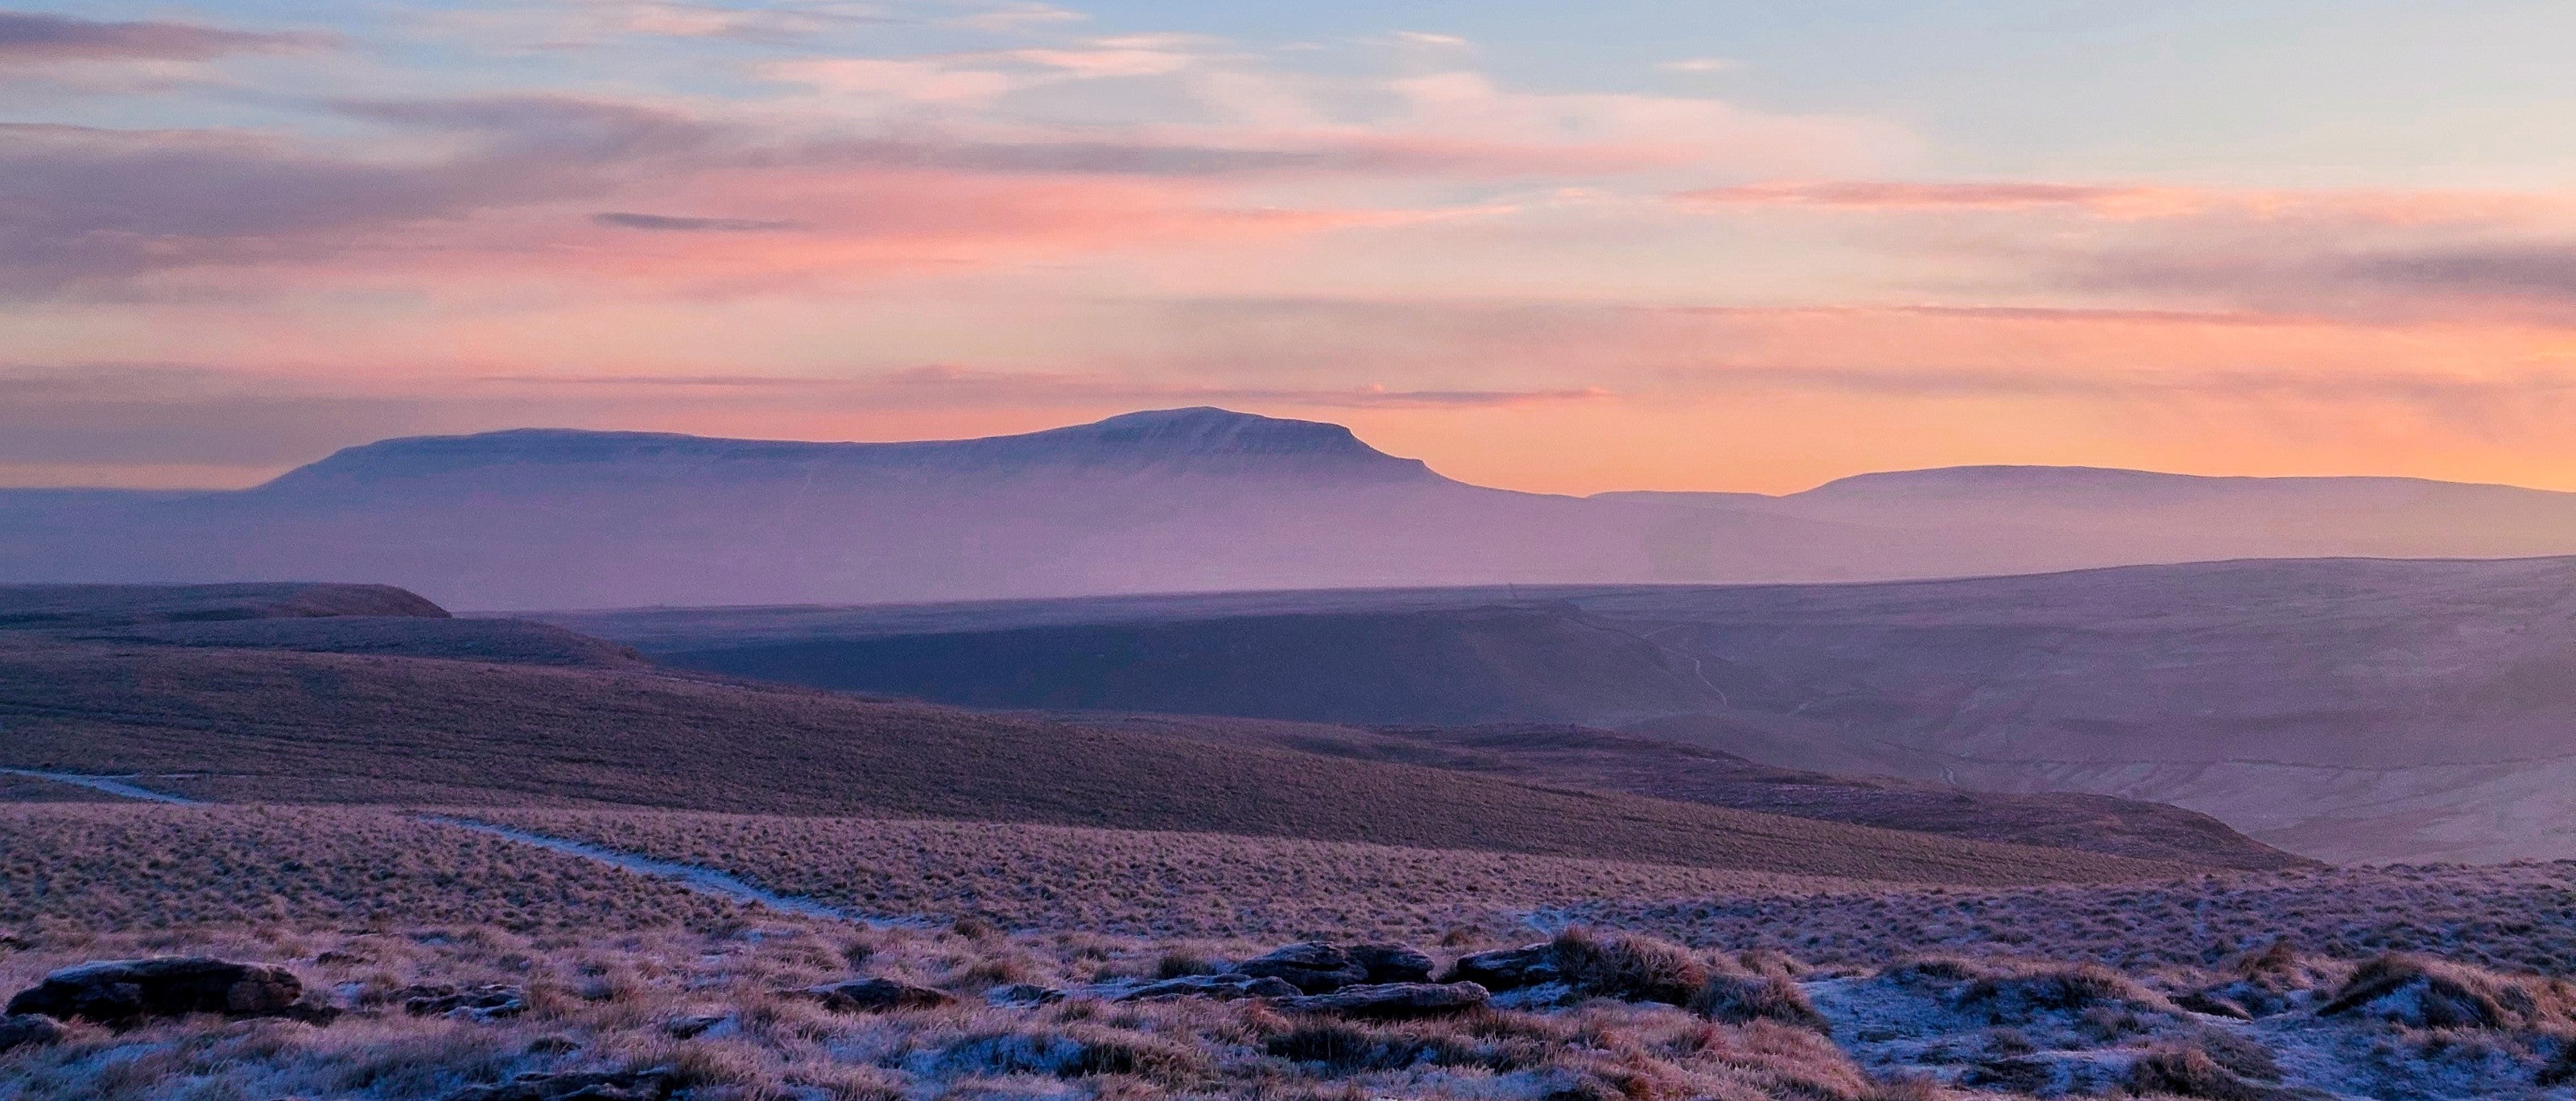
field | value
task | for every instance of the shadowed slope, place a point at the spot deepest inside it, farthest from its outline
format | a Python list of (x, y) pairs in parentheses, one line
[(1601, 760), (288, 726), (1451, 666)]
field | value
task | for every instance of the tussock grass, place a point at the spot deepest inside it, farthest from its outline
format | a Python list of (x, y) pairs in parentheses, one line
[(766, 1046), (1628, 966)]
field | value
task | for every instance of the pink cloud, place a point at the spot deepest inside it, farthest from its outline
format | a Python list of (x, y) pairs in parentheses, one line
[(2130, 201)]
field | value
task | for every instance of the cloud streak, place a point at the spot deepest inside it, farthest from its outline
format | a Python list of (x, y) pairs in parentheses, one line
[(36, 38), (672, 223)]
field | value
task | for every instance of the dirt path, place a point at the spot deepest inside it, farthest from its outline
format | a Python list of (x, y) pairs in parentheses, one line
[(113, 785), (702, 880)]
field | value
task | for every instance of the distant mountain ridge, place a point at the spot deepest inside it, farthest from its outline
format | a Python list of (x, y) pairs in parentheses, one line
[(1202, 441), (1177, 500)]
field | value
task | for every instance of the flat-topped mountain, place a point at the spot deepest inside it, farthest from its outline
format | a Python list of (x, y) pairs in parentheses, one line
[(1180, 500), (1200, 442)]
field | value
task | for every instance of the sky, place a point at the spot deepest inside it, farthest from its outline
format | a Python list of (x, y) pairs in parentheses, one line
[(1625, 244)]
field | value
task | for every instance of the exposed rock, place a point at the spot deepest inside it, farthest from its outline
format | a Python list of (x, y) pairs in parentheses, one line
[(877, 996), (618, 1085), (1023, 993), (1393, 1001), (28, 1030), (1224, 988), (487, 1002), (1388, 963), (127, 992), (1508, 968), (2213, 1003), (1313, 967), (693, 1025)]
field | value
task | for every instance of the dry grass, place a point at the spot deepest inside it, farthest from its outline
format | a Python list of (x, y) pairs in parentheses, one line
[(361, 903), (293, 727), (71, 869), (228, 864), (2517, 916), (1143, 883), (611, 1002)]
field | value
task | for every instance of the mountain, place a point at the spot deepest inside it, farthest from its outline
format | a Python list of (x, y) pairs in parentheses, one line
[(2347, 709), (254, 724), (1199, 442), (2084, 516), (1184, 500)]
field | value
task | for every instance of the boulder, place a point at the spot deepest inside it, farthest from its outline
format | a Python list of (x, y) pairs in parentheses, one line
[(1388, 963), (487, 1002), (1313, 967), (1394, 1001), (122, 993), (616, 1085), (28, 1030), (1224, 988), (1508, 968), (877, 996)]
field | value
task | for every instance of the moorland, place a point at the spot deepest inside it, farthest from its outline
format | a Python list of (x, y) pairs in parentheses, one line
[(500, 860)]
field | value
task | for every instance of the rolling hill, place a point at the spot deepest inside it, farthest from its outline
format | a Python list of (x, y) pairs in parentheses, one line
[(238, 723), (1557, 754), (2347, 709), (1197, 500)]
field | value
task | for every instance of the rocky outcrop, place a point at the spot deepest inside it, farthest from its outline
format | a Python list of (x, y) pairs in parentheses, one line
[(1313, 967), (487, 1002), (1225, 988), (122, 993), (1394, 1001), (1508, 968), (1392, 963), (28, 1030), (1022, 993), (619, 1085), (1316, 967), (877, 996)]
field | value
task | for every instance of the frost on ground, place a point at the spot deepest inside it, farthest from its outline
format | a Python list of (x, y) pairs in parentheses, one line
[(2270, 1025), (745, 1010), (443, 964)]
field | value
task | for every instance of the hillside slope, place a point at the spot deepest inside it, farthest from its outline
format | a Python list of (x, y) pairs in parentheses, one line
[(26, 606), (1601, 760), (1530, 663), (271, 725), (2349, 709)]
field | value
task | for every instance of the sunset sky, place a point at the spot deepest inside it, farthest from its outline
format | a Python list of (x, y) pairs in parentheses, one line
[(1563, 247)]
